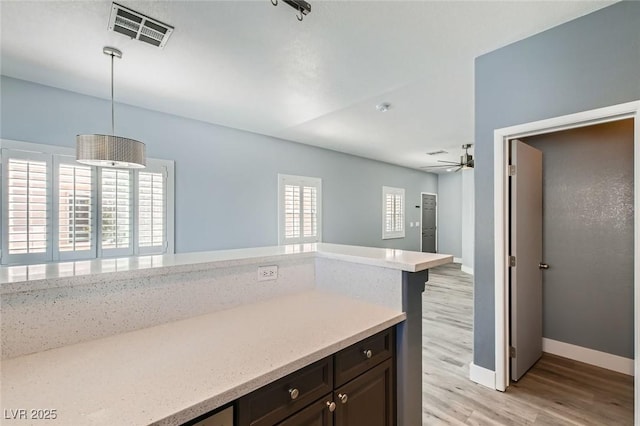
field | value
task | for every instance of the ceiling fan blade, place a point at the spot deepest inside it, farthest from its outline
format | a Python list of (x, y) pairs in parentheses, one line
[(440, 166), (456, 163)]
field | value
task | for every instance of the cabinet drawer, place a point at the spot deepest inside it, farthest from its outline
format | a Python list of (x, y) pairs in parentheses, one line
[(217, 418), (358, 358), (282, 398)]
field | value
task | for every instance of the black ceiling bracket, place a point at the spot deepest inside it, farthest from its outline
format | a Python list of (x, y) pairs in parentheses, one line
[(301, 6)]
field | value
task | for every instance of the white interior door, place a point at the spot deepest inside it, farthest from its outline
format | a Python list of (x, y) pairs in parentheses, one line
[(526, 247)]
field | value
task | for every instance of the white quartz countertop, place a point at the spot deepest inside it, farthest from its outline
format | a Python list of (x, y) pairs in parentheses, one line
[(173, 372), (33, 277)]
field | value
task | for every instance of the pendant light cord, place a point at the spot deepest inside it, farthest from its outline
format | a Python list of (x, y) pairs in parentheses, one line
[(113, 133)]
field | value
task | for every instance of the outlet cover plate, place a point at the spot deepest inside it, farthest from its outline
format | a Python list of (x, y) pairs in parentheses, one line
[(267, 273)]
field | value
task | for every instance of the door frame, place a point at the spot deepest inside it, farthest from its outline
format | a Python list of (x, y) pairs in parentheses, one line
[(421, 208), (501, 228)]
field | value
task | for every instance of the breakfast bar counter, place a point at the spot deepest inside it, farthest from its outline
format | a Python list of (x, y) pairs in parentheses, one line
[(165, 339)]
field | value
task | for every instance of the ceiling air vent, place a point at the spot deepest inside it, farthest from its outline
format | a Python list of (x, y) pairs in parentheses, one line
[(438, 152), (136, 25)]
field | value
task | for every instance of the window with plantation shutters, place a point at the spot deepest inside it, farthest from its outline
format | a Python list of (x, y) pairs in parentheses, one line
[(151, 211), (76, 210), (54, 208), (299, 209), (393, 212), (116, 207), (26, 205)]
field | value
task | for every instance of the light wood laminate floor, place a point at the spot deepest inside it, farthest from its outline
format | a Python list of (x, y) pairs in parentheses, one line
[(556, 391)]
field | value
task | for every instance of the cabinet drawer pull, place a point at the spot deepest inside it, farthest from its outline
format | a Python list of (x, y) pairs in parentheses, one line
[(331, 405), (368, 353), (343, 397), (294, 393)]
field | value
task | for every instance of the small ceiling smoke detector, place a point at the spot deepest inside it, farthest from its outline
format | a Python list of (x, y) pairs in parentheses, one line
[(136, 25), (383, 107)]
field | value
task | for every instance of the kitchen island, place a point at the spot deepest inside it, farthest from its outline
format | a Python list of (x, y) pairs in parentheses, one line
[(164, 339)]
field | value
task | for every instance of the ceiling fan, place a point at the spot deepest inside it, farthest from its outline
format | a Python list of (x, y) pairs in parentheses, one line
[(466, 162)]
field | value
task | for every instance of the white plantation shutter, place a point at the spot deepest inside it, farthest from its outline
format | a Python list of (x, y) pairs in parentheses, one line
[(151, 212), (392, 212), (116, 191), (300, 213), (54, 208), (309, 211), (26, 207), (76, 210), (292, 216)]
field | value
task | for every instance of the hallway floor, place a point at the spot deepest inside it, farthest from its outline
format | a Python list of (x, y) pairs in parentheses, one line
[(556, 391)]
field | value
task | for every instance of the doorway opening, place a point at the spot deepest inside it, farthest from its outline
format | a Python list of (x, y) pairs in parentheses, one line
[(429, 222), (502, 138), (571, 236)]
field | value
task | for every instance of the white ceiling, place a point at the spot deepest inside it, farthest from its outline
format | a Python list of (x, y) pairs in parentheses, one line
[(252, 66)]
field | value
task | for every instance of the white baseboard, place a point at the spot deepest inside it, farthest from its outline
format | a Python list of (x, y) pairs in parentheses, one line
[(589, 356), (482, 376), (466, 270), (457, 260)]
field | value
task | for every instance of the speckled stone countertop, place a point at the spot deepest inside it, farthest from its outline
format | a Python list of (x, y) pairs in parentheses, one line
[(173, 372), (36, 277)]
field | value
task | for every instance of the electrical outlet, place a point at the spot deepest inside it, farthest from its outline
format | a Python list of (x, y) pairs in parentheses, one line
[(267, 273)]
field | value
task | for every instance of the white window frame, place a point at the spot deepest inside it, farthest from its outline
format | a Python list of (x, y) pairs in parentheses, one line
[(284, 180), (388, 190), (54, 155)]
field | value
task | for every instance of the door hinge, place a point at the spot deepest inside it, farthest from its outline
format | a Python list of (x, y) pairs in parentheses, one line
[(512, 261), (512, 170), (512, 352)]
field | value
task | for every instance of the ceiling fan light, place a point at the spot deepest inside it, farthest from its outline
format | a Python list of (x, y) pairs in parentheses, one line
[(110, 151)]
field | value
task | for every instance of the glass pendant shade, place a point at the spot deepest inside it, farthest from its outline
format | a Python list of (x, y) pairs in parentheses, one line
[(110, 151)]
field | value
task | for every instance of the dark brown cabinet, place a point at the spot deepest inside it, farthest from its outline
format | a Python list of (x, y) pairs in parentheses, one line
[(354, 387), (368, 399), (276, 401), (360, 357)]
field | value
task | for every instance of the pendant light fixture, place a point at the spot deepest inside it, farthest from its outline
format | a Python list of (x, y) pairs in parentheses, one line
[(110, 150)]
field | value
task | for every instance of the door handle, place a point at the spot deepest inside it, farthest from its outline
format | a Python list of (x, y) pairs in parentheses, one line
[(543, 266)]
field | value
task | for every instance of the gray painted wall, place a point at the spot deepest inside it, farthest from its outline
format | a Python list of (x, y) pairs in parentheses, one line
[(588, 63), (467, 219), (450, 214), (226, 179), (588, 204)]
